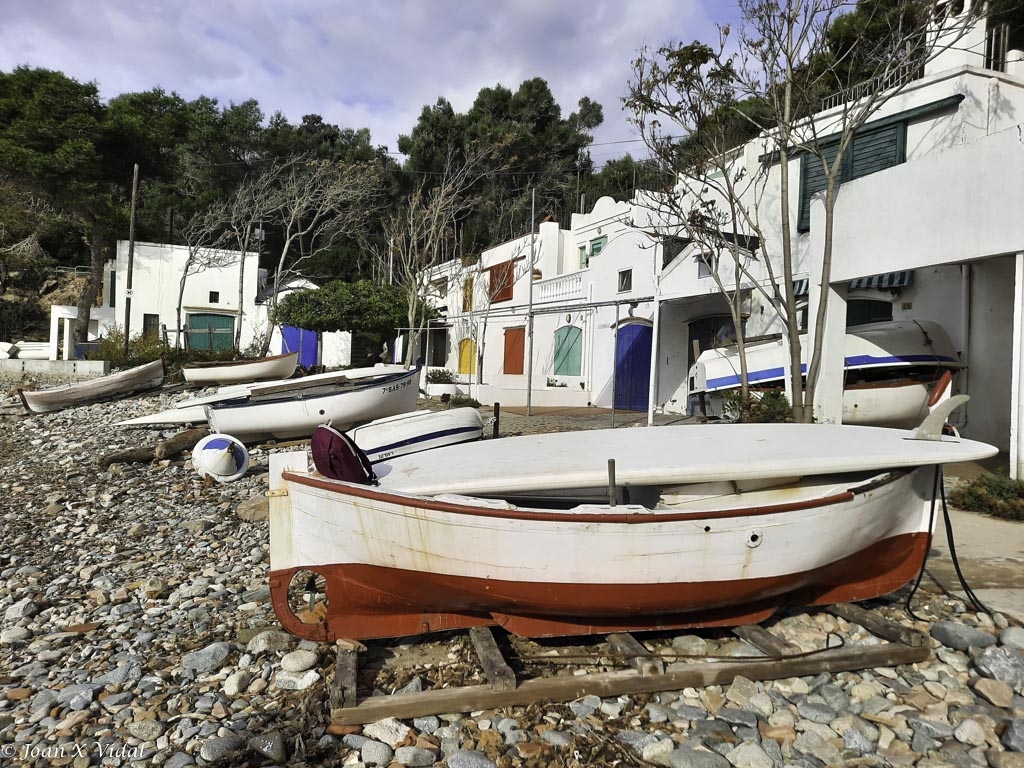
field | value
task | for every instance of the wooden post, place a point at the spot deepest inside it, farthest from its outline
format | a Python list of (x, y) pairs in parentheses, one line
[(131, 261)]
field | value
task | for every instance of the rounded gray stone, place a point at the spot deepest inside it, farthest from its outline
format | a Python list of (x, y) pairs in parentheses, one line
[(556, 738), (220, 747), (146, 730), (270, 745), (298, 661), (469, 758), (415, 757), (955, 635), (206, 659), (296, 681), (270, 640), (1013, 637), (375, 752), (687, 757)]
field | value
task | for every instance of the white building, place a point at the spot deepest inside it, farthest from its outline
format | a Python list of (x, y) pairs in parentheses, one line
[(223, 297), (928, 226)]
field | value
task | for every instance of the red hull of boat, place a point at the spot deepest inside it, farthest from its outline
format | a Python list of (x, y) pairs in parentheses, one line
[(371, 601)]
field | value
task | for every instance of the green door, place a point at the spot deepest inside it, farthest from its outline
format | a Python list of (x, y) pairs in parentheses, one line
[(209, 331)]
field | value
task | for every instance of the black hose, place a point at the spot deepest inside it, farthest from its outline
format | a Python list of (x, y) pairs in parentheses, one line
[(928, 546), (939, 486), (978, 605)]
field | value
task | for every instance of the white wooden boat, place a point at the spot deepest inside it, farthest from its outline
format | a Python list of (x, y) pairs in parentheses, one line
[(417, 431), (241, 371), (294, 409), (193, 410), (894, 372), (713, 525), (138, 379)]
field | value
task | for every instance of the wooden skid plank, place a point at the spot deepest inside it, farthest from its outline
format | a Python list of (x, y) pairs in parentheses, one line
[(499, 674), (343, 691), (640, 658), (567, 688), (878, 625), (765, 641)]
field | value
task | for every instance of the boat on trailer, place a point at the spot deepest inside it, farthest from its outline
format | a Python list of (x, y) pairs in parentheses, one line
[(141, 378), (241, 371), (895, 372), (606, 530)]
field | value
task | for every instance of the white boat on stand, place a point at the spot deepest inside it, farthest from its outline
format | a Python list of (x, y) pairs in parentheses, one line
[(297, 407), (895, 372), (193, 410), (241, 371), (697, 525)]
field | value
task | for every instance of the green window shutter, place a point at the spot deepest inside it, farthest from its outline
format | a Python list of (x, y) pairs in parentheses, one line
[(812, 179), (877, 150), (568, 351), (872, 151)]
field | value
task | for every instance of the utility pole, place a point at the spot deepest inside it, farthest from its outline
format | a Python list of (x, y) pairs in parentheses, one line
[(131, 262), (529, 311)]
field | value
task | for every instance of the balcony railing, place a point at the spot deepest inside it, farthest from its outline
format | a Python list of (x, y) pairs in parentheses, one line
[(558, 288), (900, 75)]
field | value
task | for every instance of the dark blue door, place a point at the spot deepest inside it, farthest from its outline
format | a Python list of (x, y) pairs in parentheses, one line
[(302, 340), (633, 366)]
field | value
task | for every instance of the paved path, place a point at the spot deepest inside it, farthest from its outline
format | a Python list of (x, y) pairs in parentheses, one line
[(990, 551)]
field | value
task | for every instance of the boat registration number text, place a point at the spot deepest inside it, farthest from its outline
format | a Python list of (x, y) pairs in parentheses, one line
[(396, 387)]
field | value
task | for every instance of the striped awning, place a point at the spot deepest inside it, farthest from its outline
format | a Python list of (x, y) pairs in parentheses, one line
[(887, 280)]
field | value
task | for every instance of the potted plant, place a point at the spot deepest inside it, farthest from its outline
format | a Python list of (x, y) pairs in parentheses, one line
[(440, 381)]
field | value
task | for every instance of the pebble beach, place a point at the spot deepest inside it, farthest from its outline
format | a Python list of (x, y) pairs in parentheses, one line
[(137, 630)]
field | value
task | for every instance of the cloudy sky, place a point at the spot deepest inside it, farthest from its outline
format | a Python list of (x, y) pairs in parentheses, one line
[(357, 63)]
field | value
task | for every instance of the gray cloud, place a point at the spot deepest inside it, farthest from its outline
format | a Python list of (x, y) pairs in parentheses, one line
[(373, 64)]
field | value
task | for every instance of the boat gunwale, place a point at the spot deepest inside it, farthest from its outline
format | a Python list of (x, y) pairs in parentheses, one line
[(343, 488)]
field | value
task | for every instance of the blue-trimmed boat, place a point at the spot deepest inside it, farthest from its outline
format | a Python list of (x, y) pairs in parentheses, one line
[(895, 372)]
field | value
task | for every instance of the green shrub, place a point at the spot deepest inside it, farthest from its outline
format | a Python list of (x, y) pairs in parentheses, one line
[(440, 376), (462, 401), (995, 495), (759, 407), (141, 349)]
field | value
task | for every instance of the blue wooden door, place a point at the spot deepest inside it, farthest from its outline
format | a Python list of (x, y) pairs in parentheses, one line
[(633, 366), (304, 341)]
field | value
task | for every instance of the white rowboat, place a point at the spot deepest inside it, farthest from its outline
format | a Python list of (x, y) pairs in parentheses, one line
[(710, 525), (138, 379), (417, 431), (288, 411), (241, 371)]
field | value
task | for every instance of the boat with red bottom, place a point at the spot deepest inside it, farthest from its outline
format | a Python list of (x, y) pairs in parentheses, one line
[(605, 530)]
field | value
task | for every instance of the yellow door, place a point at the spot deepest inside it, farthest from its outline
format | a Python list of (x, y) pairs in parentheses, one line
[(467, 356)]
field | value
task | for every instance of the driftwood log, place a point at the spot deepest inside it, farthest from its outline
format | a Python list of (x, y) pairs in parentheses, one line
[(172, 446)]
